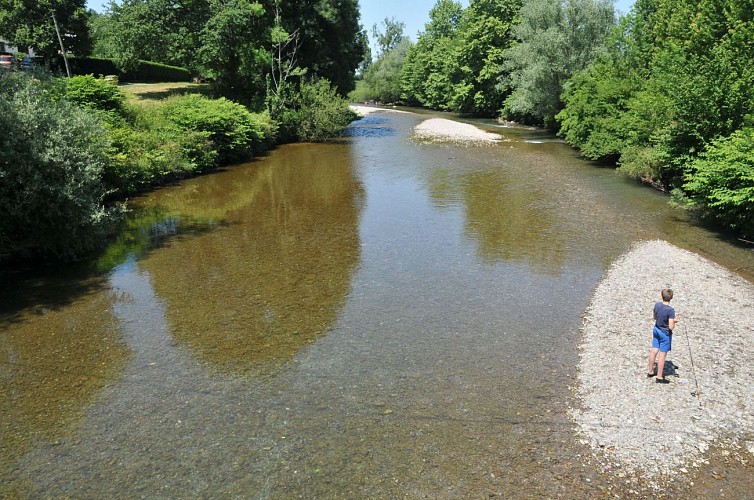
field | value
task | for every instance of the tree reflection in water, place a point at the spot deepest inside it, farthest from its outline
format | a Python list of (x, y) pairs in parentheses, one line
[(249, 294)]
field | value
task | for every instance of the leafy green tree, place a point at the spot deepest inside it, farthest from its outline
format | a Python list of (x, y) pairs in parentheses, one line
[(484, 35), (677, 81), (235, 49), (556, 39), (332, 41), (382, 81), (391, 37), (429, 64), (721, 181), (163, 31), (30, 24)]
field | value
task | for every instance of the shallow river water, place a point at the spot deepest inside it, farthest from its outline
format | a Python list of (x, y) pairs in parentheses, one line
[(373, 317)]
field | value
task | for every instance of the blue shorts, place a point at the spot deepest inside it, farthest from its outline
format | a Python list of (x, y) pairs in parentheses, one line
[(661, 340)]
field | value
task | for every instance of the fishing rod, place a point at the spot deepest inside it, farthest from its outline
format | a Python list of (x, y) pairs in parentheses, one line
[(693, 368)]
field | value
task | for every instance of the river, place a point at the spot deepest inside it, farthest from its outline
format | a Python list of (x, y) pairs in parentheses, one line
[(371, 317)]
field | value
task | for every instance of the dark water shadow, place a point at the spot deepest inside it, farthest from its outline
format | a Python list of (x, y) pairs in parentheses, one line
[(144, 230), (38, 289), (60, 346)]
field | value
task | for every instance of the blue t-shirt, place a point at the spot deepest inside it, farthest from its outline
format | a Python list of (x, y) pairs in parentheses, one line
[(663, 313)]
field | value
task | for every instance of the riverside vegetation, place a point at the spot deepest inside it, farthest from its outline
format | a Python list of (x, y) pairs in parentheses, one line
[(71, 146)]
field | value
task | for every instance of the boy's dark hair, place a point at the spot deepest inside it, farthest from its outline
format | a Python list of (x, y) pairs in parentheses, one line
[(667, 294)]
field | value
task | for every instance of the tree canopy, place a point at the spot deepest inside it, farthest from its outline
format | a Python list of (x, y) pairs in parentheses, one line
[(30, 24), (230, 40)]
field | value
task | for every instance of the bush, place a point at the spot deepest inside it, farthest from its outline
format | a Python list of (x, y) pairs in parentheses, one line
[(146, 71), (142, 71), (96, 93), (236, 133), (315, 112), (143, 156), (52, 155), (721, 181)]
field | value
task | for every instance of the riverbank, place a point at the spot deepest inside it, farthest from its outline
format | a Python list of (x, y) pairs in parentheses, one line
[(663, 431)]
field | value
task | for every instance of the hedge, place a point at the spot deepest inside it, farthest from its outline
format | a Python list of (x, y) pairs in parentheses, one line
[(145, 71)]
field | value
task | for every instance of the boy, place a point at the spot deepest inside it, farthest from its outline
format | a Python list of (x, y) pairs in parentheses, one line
[(662, 334)]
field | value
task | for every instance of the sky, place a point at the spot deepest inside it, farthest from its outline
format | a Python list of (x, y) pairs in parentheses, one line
[(413, 13)]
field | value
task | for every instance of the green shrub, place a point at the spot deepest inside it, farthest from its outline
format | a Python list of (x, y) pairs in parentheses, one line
[(142, 71), (52, 155), (236, 133), (721, 181), (96, 93), (315, 112), (146, 71), (140, 157)]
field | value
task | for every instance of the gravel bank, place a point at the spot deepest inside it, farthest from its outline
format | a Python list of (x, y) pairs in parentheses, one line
[(365, 110), (637, 425), (440, 129)]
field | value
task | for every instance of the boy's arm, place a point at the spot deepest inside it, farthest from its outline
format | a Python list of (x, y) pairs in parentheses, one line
[(672, 322)]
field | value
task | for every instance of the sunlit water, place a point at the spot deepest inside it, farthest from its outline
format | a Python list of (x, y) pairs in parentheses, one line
[(372, 317)]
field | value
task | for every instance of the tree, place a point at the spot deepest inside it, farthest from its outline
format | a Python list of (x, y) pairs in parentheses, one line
[(164, 31), (427, 70), (556, 39), (383, 78), (721, 180), (52, 155), (235, 49), (30, 24), (676, 83), (484, 34), (330, 34), (391, 37)]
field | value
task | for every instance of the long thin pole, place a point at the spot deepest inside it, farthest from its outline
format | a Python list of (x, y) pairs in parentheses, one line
[(693, 368), (62, 47)]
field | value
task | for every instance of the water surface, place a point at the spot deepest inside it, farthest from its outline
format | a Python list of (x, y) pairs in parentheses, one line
[(371, 317)]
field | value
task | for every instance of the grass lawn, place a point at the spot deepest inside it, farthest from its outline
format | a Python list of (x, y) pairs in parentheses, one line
[(150, 93)]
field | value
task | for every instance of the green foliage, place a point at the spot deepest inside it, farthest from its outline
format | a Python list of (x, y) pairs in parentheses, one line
[(154, 151), (95, 93), (721, 181), (595, 100), (235, 133), (677, 77), (147, 71), (162, 31), (392, 35), (234, 51), (86, 66), (556, 39), (30, 24), (485, 33), (229, 41), (52, 155), (429, 65), (314, 112), (332, 42), (383, 78)]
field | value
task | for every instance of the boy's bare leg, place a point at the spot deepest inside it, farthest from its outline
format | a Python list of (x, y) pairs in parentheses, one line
[(652, 355), (661, 364)]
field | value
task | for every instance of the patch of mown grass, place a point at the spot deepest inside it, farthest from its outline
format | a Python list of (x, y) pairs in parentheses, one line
[(149, 93)]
